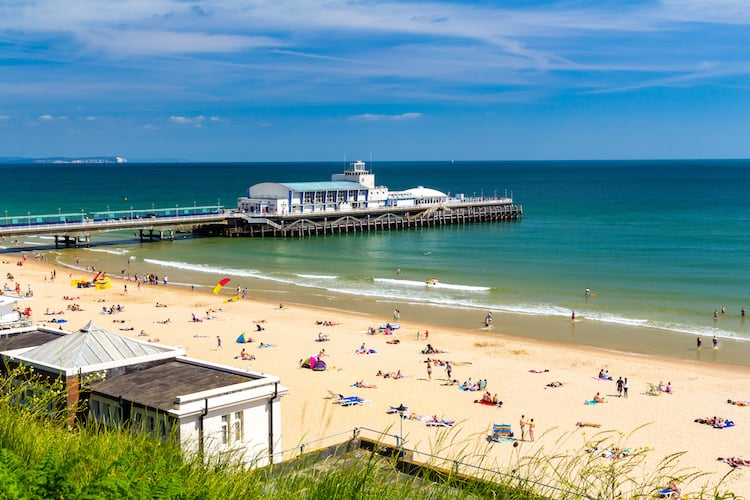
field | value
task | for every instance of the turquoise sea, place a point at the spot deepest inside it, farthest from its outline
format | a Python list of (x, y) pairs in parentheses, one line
[(661, 244)]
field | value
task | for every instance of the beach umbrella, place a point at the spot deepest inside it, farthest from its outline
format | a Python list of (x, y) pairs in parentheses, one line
[(221, 284)]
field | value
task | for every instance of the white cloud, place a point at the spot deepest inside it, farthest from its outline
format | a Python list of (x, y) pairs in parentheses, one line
[(4, 117), (196, 121), (371, 117)]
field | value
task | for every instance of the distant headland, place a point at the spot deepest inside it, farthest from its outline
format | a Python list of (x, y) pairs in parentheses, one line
[(65, 160)]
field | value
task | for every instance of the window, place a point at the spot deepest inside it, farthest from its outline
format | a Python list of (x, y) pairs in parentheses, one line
[(224, 429), (95, 409), (238, 427)]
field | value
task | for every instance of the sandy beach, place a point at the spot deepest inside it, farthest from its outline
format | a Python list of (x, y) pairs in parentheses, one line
[(517, 370)]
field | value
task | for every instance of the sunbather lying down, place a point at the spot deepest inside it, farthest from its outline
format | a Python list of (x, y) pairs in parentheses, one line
[(738, 403), (587, 424), (735, 461), (614, 452)]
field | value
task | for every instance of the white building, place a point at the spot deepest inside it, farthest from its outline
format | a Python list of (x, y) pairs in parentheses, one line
[(353, 189), (210, 409), (8, 312)]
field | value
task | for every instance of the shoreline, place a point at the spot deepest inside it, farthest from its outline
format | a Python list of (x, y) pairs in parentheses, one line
[(582, 333), (517, 368)]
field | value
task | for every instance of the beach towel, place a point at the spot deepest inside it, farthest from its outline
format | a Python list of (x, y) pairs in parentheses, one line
[(725, 425), (488, 403), (440, 423), (366, 351), (590, 402)]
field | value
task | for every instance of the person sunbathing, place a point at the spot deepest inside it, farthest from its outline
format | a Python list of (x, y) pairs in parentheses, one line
[(734, 461), (393, 341), (587, 424), (361, 384), (738, 403), (556, 383), (598, 398), (322, 337)]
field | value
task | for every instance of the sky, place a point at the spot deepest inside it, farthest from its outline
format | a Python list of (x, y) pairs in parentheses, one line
[(307, 80)]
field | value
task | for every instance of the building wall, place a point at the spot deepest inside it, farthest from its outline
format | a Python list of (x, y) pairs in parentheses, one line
[(236, 432)]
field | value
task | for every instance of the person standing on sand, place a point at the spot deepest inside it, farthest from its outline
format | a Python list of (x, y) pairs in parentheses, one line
[(522, 424), (625, 387), (698, 343), (619, 387), (531, 429), (715, 342), (448, 369), (572, 315), (429, 369), (218, 342)]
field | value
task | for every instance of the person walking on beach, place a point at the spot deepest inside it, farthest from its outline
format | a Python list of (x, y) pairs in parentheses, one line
[(698, 343), (715, 342), (572, 315), (522, 424), (619, 387), (448, 369), (429, 369), (531, 429), (625, 387), (218, 342)]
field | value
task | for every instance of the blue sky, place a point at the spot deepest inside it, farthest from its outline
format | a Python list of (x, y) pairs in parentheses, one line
[(295, 80)]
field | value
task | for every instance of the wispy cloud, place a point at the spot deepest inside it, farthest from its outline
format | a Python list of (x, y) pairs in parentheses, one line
[(371, 117), (50, 118), (196, 121)]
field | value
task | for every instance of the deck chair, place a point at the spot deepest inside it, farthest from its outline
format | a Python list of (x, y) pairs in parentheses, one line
[(500, 432), (349, 400), (653, 390)]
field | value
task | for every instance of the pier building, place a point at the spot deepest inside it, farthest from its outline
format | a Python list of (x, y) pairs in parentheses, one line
[(352, 190)]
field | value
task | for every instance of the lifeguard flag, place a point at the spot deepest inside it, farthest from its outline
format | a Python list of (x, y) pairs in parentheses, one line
[(220, 285)]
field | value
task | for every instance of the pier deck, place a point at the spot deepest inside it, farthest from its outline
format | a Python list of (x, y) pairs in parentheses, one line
[(385, 219)]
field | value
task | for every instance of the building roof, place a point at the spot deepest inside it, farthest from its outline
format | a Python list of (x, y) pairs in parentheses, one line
[(7, 301), (422, 192), (323, 186), (160, 385), (91, 345), (30, 337)]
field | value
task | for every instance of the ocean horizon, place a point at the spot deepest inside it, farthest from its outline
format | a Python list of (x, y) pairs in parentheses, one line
[(660, 244)]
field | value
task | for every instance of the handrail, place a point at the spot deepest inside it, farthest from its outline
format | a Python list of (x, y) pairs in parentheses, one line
[(355, 432)]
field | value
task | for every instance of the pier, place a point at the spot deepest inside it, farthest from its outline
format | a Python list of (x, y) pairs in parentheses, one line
[(361, 221), (76, 230)]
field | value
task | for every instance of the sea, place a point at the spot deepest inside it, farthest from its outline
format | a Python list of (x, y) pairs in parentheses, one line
[(661, 245)]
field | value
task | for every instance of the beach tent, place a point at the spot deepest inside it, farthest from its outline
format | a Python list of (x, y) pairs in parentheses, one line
[(243, 339), (314, 363)]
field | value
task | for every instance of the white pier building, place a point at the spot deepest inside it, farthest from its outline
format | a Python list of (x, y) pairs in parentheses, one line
[(352, 190)]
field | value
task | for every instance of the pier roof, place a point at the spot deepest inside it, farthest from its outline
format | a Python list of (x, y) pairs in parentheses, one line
[(323, 186)]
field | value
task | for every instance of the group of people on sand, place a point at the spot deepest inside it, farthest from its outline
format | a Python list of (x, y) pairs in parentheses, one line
[(666, 388), (431, 350), (468, 385), (489, 398), (712, 421), (326, 323), (397, 375)]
